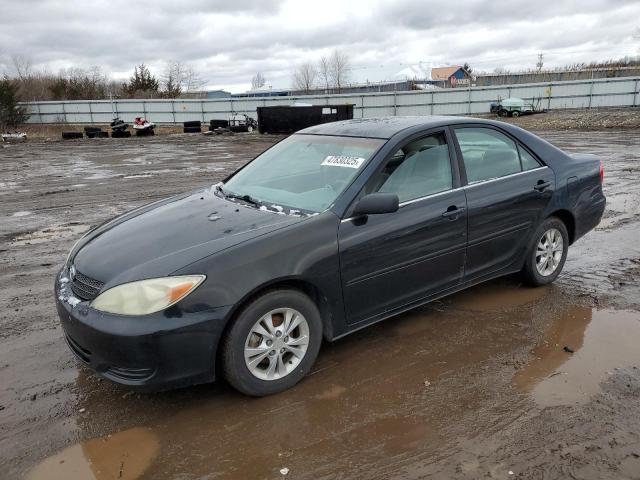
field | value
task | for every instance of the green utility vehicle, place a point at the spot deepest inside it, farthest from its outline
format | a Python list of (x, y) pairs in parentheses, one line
[(512, 107)]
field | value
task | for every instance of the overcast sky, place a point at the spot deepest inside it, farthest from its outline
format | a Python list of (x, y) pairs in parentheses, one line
[(229, 41)]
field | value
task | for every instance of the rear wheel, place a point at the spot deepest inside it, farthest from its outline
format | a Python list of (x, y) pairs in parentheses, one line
[(547, 253), (273, 343), (515, 113)]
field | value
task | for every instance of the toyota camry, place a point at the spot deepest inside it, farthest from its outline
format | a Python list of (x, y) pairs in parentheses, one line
[(334, 228)]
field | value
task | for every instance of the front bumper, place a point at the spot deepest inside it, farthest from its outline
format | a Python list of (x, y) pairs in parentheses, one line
[(167, 349)]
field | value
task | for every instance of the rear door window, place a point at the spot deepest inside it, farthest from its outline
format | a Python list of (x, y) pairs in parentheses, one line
[(529, 162), (487, 153)]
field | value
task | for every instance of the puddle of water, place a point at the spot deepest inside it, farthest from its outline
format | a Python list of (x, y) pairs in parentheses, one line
[(49, 234), (125, 455), (495, 296), (22, 213), (139, 175), (602, 341), (102, 175)]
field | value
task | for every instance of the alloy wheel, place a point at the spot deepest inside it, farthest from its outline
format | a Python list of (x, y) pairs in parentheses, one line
[(276, 344), (549, 252)]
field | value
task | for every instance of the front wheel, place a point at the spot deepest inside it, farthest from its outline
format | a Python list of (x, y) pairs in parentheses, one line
[(547, 253), (272, 343)]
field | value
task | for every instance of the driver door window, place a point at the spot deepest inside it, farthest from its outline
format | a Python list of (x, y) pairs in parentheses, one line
[(420, 168)]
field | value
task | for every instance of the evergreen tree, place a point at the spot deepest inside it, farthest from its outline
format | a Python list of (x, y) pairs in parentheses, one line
[(11, 114), (142, 82)]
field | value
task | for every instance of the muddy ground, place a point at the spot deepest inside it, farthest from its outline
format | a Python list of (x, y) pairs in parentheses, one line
[(477, 385)]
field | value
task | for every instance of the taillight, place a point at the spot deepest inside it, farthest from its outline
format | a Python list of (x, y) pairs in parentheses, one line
[(601, 172)]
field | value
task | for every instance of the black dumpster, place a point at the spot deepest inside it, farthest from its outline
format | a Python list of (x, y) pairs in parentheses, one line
[(289, 119)]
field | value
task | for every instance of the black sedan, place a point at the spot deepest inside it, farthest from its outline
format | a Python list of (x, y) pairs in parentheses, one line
[(336, 227)]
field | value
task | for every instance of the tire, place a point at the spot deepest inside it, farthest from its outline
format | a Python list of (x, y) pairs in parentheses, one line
[(515, 114), (192, 130), (71, 135), (285, 305), (194, 123), (502, 113), (98, 134), (89, 130), (213, 124), (120, 134), (533, 272)]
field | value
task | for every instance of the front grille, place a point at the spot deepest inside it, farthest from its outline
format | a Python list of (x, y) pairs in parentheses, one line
[(85, 288), (81, 352)]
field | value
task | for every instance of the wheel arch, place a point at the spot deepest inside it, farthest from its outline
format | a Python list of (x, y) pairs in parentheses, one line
[(569, 221), (308, 288)]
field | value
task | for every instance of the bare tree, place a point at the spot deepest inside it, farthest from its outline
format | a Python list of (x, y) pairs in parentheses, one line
[(540, 62), (33, 84), (192, 80), (179, 78), (171, 79), (79, 84), (258, 81), (22, 66), (304, 78), (339, 69), (324, 70)]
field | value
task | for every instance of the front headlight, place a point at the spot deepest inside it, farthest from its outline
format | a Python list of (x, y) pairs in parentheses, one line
[(146, 296)]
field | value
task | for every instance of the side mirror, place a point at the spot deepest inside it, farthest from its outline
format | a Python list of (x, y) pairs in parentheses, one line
[(376, 203)]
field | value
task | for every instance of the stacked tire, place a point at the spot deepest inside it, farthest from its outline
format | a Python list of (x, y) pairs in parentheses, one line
[(95, 132), (71, 135), (192, 127), (120, 134), (215, 124)]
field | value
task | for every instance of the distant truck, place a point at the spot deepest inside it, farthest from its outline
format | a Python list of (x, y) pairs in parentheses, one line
[(512, 107)]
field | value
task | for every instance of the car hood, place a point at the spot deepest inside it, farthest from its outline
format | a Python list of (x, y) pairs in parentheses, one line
[(163, 237)]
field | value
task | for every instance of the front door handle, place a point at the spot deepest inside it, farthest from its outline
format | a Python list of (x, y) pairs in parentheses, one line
[(541, 185), (453, 212)]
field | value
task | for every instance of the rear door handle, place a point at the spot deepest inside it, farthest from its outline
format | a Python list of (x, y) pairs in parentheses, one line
[(541, 185), (453, 212)]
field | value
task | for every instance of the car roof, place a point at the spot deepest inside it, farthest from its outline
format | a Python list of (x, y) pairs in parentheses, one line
[(386, 127)]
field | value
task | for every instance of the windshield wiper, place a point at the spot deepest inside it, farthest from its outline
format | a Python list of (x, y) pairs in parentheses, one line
[(245, 198)]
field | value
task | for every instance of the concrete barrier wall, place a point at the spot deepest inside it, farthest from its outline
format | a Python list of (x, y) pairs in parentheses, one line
[(616, 92)]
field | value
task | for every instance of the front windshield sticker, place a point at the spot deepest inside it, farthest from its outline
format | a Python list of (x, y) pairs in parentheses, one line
[(343, 161)]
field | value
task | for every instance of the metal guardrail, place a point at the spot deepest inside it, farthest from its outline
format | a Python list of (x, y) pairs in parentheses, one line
[(614, 92)]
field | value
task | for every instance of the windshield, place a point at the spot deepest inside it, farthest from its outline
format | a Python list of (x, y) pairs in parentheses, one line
[(303, 172)]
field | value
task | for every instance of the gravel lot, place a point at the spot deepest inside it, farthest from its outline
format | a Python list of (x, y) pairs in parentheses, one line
[(476, 385)]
